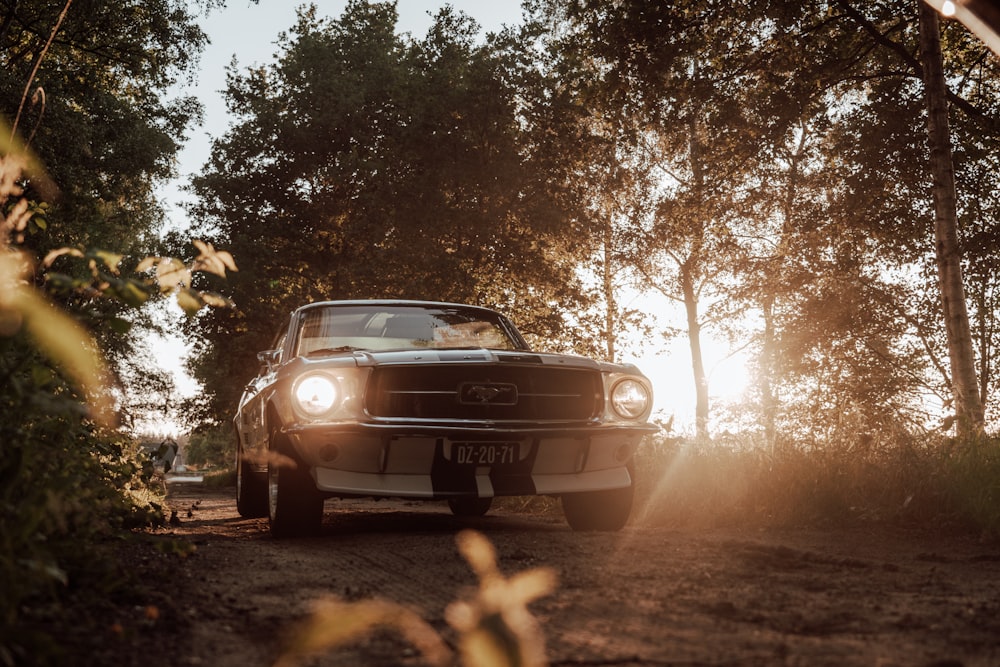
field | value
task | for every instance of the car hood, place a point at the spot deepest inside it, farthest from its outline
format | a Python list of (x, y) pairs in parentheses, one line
[(367, 358)]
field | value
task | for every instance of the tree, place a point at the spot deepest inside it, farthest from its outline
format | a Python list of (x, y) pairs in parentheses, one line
[(97, 115), (879, 198), (367, 164), (679, 107), (97, 111), (968, 400), (806, 233), (596, 189), (903, 91)]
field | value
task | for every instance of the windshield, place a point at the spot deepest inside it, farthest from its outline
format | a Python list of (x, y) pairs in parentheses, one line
[(344, 328)]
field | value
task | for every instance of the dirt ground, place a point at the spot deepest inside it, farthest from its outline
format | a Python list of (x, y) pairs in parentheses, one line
[(649, 595)]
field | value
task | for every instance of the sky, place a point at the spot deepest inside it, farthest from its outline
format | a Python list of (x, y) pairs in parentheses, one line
[(248, 32)]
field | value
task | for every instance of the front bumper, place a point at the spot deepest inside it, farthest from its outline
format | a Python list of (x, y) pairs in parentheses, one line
[(419, 460)]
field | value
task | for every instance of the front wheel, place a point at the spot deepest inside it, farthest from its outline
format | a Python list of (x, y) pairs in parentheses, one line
[(251, 489), (599, 510), (295, 506), (470, 507)]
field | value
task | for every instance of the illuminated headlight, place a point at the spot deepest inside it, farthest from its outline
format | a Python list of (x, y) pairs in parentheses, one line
[(629, 398), (316, 394)]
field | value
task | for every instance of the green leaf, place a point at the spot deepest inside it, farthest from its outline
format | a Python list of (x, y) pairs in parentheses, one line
[(41, 375), (216, 300), (110, 259), (131, 292), (62, 282), (146, 264), (53, 255), (212, 260), (118, 325), (69, 345), (179, 548), (172, 272), (189, 301)]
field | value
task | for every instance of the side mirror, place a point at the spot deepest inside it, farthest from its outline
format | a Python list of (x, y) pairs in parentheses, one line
[(269, 358)]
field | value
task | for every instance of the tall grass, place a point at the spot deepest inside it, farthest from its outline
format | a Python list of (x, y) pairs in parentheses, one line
[(971, 481), (929, 482)]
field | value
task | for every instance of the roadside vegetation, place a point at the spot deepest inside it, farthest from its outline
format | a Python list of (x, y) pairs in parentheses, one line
[(761, 172), (950, 486), (76, 267)]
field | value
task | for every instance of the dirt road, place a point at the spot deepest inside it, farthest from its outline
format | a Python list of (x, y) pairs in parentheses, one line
[(649, 595)]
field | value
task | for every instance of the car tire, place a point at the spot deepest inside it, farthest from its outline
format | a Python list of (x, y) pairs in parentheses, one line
[(470, 507), (599, 510), (251, 489), (295, 506)]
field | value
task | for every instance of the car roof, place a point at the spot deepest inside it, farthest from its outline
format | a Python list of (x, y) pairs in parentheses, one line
[(393, 302)]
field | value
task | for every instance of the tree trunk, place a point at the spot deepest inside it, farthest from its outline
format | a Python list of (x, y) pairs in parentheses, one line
[(610, 303), (697, 361), (968, 405), (767, 373), (688, 272), (771, 293)]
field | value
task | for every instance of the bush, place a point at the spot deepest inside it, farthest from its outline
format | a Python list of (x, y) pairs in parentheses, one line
[(971, 476), (929, 481), (211, 447), (65, 484)]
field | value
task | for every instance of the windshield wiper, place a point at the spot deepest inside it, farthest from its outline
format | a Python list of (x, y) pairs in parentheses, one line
[(331, 350)]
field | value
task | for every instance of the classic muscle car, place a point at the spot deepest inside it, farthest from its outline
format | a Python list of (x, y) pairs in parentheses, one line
[(436, 401)]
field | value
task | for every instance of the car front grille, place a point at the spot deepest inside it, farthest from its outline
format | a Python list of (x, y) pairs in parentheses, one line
[(487, 392)]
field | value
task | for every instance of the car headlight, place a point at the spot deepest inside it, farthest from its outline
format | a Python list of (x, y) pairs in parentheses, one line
[(316, 394), (629, 398)]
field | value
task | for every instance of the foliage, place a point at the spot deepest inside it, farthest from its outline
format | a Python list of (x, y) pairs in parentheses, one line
[(66, 483), (69, 477), (98, 116), (784, 148), (971, 476), (87, 85), (931, 482), (211, 447), (372, 164), (736, 170)]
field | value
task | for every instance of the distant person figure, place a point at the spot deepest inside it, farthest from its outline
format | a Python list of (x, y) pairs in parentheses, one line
[(167, 453)]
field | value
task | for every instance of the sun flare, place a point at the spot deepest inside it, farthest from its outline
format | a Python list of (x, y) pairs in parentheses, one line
[(669, 370)]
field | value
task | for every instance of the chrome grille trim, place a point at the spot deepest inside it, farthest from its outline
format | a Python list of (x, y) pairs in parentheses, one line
[(433, 391)]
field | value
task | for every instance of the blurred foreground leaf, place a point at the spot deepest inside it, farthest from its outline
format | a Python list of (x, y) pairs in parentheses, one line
[(334, 623), (496, 629), (58, 336)]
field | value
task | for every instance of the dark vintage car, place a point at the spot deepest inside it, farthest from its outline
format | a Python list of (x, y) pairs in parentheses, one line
[(426, 400)]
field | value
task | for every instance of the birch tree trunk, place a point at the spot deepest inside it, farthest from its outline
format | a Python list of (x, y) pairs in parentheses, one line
[(701, 409), (688, 271), (965, 391), (610, 302)]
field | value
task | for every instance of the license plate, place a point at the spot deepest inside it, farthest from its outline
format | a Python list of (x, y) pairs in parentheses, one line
[(484, 453)]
